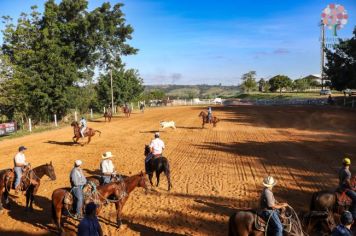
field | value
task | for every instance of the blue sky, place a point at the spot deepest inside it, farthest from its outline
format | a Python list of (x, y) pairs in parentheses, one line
[(195, 42)]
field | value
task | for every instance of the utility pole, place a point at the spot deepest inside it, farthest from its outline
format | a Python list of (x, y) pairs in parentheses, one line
[(112, 93), (322, 47)]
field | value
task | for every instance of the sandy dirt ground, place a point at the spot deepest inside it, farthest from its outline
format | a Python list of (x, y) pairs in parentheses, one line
[(214, 171)]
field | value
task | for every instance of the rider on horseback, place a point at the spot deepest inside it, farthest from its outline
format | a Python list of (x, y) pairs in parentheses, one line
[(270, 207), (209, 114), (78, 180), (156, 146), (83, 126), (107, 167), (19, 165), (345, 185)]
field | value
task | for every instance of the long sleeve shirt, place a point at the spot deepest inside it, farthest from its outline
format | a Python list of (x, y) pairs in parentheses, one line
[(77, 177)]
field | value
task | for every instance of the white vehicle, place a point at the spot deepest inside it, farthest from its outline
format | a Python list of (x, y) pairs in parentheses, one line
[(350, 92), (167, 124), (217, 101), (325, 92)]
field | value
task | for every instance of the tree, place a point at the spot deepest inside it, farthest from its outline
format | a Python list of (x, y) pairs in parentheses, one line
[(341, 64), (300, 84), (261, 85), (53, 51), (127, 85), (280, 82), (249, 81)]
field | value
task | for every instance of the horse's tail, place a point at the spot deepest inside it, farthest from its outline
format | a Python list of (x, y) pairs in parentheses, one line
[(54, 215), (232, 225), (98, 131), (167, 170)]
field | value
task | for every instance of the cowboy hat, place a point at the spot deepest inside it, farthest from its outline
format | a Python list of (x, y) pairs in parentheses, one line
[(78, 162), (269, 181), (107, 155)]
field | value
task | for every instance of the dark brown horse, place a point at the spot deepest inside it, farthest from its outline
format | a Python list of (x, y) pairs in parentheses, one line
[(30, 182), (158, 165), (89, 132), (108, 115), (205, 119), (5, 176), (126, 110), (101, 195), (242, 223)]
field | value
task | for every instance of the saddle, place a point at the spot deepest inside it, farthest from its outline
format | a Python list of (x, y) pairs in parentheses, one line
[(342, 199), (26, 179), (89, 190), (261, 224)]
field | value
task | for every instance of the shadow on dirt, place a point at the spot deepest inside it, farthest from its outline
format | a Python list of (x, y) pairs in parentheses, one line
[(62, 143)]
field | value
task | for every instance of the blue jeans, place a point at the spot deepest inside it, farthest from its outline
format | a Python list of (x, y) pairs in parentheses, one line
[(106, 179), (352, 194), (78, 194), (18, 172), (275, 226)]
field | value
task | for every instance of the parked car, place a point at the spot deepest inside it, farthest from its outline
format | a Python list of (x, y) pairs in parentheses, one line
[(217, 101), (350, 92), (325, 92)]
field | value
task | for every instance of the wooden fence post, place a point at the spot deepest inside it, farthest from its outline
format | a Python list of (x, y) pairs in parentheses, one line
[(29, 125), (75, 116), (91, 113), (55, 120)]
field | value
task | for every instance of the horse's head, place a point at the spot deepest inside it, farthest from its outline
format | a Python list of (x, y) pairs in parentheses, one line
[(142, 181), (147, 150), (201, 114), (49, 171), (321, 222), (74, 124)]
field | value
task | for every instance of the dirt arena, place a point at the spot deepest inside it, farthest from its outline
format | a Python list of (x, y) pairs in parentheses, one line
[(214, 171)]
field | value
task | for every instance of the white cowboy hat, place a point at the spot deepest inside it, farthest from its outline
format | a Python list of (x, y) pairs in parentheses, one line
[(78, 162), (269, 181), (107, 155)]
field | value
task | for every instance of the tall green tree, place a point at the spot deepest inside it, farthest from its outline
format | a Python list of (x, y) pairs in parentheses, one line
[(249, 81), (127, 85), (53, 51), (341, 64), (280, 82)]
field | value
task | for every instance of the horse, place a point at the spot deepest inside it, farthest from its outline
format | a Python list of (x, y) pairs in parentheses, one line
[(89, 132), (5, 176), (108, 115), (30, 181), (100, 195), (126, 110), (205, 119), (318, 223), (142, 107), (242, 223), (158, 165)]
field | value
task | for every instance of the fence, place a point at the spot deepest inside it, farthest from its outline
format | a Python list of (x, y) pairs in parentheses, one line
[(270, 102)]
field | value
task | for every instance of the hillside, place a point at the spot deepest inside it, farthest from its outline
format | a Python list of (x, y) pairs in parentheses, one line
[(193, 91)]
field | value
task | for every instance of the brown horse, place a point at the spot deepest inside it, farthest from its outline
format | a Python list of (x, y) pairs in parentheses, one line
[(89, 132), (5, 176), (108, 115), (126, 110), (119, 190), (242, 223), (30, 182), (205, 119)]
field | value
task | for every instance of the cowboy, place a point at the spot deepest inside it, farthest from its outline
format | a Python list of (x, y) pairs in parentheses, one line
[(345, 185), (19, 165), (270, 207), (89, 225), (83, 126), (344, 229), (78, 180), (156, 146), (209, 114), (107, 167)]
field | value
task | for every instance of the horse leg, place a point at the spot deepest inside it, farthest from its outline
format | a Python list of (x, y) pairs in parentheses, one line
[(119, 205), (89, 138), (6, 197), (150, 175), (158, 173), (28, 196)]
